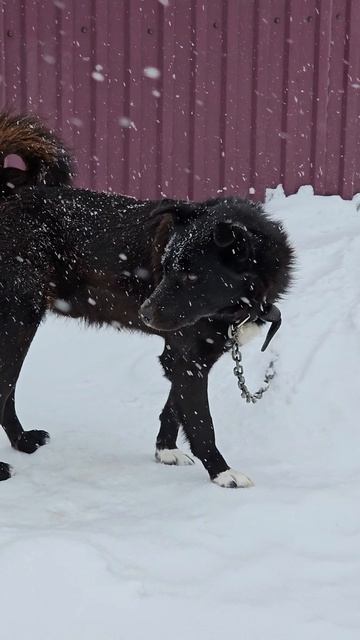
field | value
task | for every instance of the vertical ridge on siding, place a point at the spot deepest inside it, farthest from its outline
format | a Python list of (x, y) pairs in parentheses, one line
[(200, 51), (82, 114), (253, 99), (322, 45), (67, 121), (165, 113), (31, 49), (350, 143), (2, 55), (99, 95)]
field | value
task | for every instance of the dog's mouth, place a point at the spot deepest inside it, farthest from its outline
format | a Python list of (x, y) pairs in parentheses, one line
[(233, 313), (162, 324)]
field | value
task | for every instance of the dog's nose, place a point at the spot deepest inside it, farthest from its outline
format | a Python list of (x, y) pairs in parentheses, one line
[(145, 312), (144, 318)]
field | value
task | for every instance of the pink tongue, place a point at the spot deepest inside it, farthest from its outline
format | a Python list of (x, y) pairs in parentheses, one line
[(13, 161)]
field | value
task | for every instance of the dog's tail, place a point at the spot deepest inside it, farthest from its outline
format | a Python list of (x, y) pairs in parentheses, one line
[(31, 154)]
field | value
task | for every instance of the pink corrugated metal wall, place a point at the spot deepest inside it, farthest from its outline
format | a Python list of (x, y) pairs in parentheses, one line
[(250, 93)]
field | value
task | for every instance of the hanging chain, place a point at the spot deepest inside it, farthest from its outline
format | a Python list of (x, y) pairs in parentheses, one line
[(239, 369)]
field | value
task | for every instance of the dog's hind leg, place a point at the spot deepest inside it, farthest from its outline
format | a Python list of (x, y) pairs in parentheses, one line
[(25, 441), (17, 329)]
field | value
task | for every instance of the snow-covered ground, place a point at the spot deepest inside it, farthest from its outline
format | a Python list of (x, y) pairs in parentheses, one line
[(98, 542)]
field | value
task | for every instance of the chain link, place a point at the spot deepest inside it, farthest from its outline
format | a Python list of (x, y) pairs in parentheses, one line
[(239, 369)]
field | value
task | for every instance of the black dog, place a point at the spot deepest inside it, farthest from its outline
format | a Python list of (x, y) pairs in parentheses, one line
[(181, 270)]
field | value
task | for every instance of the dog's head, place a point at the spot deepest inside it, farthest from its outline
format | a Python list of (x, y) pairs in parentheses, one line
[(224, 258)]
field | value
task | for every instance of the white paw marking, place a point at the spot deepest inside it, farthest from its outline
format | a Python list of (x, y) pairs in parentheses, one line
[(232, 479), (172, 456), (247, 332)]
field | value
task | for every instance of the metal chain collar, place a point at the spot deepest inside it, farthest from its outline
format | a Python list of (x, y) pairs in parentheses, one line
[(239, 369)]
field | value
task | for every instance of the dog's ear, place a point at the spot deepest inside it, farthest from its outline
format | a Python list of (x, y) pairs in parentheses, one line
[(180, 210), (227, 233)]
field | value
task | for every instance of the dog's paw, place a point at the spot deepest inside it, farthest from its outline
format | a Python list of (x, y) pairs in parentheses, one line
[(172, 456), (232, 479), (5, 471), (31, 440)]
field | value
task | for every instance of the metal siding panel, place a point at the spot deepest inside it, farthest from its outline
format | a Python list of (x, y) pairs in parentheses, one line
[(150, 38), (182, 103), (300, 94), (238, 96), (47, 67), (267, 122), (2, 55), (166, 104), (250, 93), (83, 113), (144, 135), (31, 73), (321, 94), (68, 124), (254, 98), (349, 176), (135, 97), (230, 138), (336, 97), (117, 116), (214, 97), (99, 87), (13, 57), (200, 98)]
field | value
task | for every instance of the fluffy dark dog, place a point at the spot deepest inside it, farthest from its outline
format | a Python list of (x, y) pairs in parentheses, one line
[(181, 270)]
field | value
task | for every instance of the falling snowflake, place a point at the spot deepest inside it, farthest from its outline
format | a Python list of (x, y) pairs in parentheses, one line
[(124, 121), (48, 58), (152, 72), (62, 305), (76, 121), (99, 77)]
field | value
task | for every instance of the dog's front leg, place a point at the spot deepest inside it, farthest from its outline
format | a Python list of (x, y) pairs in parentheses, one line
[(189, 393), (166, 450)]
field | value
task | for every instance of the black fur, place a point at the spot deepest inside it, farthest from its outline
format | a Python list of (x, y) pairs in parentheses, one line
[(180, 270)]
